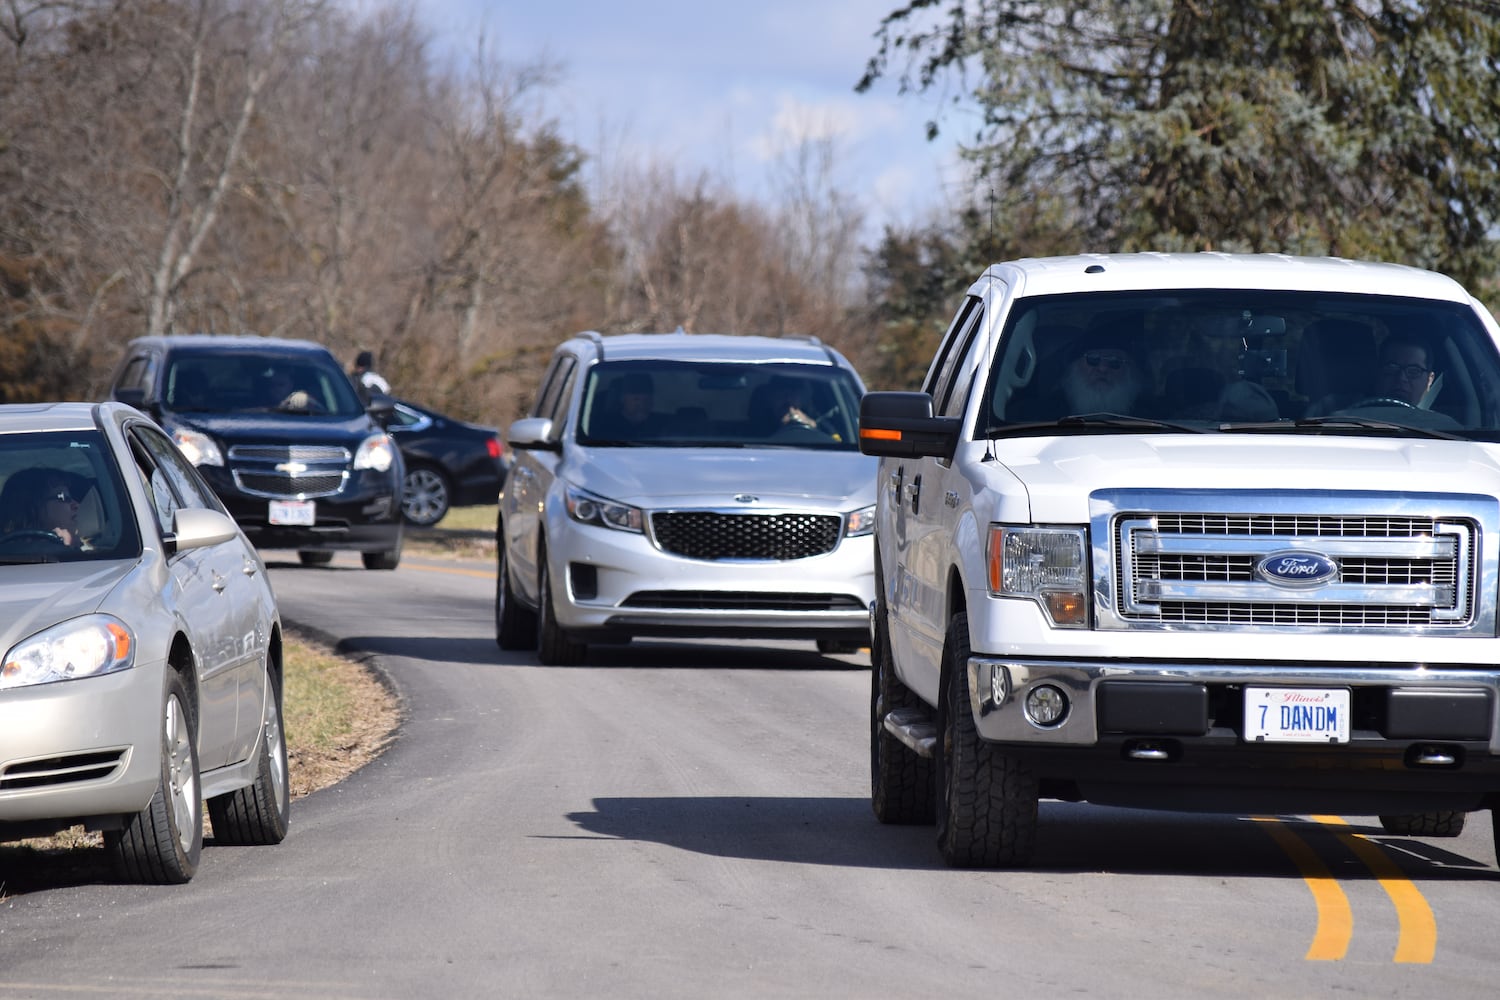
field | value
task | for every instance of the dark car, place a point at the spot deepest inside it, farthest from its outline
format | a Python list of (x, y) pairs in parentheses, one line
[(449, 463), (280, 432)]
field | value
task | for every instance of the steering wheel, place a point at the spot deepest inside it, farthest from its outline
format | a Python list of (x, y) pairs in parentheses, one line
[(26, 534), (1380, 401)]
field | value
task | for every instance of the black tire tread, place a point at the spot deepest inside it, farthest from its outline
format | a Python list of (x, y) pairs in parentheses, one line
[(903, 784), (555, 648), (987, 809), (1438, 823), (146, 851), (255, 815)]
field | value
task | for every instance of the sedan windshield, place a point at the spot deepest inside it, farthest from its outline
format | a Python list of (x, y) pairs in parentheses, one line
[(61, 500), (1244, 361), (683, 404)]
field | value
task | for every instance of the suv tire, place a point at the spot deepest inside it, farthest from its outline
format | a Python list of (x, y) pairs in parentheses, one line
[(515, 626)]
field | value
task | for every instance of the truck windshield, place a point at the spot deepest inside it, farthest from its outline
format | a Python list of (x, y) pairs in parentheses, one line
[(1234, 360)]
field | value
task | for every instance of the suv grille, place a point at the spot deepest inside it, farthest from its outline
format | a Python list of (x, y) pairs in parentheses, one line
[(289, 472), (710, 535), (1199, 569)]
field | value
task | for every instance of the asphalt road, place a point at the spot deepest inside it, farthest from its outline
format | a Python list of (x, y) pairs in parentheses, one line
[(692, 820)]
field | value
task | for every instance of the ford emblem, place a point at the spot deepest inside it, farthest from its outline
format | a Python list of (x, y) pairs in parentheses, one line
[(1296, 569)]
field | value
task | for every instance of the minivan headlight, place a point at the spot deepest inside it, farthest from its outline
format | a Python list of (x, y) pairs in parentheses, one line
[(375, 452), (1046, 565), (83, 647), (586, 508), (859, 522), (197, 447)]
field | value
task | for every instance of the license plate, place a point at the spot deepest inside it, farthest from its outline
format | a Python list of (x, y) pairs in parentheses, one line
[(1297, 715), (295, 512)]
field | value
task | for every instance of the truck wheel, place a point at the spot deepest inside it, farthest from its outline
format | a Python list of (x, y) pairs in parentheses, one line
[(554, 647), (987, 810), (902, 786), (1441, 823)]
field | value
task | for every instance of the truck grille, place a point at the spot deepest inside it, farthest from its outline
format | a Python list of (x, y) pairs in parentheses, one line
[(1179, 568), (711, 535), (289, 472)]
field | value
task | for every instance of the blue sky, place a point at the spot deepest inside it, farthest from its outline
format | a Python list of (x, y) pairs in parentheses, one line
[(722, 87)]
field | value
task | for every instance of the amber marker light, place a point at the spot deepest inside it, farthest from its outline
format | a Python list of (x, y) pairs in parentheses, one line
[(877, 434)]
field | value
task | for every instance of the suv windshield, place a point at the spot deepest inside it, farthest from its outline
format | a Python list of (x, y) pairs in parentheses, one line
[(258, 383), (1236, 359), (683, 404)]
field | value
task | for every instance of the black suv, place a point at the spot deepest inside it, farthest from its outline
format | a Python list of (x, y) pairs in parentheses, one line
[(283, 436)]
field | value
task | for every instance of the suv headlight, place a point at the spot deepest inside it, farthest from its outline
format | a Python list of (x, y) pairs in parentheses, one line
[(859, 522), (84, 647), (199, 448), (1046, 565), (375, 452), (586, 508)]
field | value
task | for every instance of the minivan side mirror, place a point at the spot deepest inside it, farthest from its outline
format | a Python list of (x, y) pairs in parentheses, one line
[(532, 432)]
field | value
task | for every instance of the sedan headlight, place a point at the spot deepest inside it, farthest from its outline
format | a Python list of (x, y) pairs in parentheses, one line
[(859, 522), (1046, 565), (199, 448), (84, 647), (586, 508), (375, 452)]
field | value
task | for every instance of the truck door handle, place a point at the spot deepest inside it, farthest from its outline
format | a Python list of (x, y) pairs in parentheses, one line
[(914, 492)]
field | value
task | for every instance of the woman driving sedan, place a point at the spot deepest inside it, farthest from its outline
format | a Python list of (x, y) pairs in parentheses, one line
[(39, 502)]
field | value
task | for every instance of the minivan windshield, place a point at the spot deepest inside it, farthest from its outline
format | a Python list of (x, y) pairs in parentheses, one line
[(239, 382), (1239, 360), (685, 404)]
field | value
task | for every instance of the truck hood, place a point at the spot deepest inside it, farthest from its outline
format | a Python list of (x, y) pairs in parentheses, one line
[(35, 597), (1059, 473), (714, 477)]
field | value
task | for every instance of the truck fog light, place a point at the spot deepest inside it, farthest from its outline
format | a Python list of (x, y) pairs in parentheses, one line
[(1046, 705)]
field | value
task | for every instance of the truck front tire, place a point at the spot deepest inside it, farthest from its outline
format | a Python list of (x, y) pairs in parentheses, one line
[(987, 808)]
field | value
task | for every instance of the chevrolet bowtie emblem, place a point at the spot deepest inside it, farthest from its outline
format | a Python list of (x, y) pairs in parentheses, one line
[(291, 467)]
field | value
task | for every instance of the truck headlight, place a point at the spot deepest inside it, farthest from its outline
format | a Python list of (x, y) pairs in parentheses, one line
[(1046, 565)]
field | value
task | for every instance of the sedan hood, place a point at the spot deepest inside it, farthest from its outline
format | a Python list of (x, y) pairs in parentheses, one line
[(35, 597), (715, 477)]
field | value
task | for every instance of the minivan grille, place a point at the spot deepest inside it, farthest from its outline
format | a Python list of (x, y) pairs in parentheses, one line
[(710, 535)]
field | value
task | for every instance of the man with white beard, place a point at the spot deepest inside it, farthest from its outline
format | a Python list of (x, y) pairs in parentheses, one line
[(1103, 376)]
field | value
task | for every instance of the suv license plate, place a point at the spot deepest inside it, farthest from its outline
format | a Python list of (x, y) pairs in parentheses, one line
[(1297, 715), (298, 512)]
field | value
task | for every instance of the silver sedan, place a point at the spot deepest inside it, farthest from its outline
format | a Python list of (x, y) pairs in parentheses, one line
[(142, 644)]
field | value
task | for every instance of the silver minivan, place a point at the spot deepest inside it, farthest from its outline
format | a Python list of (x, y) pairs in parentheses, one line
[(687, 485)]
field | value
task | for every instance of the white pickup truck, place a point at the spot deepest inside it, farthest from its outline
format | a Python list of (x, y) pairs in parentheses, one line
[(1202, 532)]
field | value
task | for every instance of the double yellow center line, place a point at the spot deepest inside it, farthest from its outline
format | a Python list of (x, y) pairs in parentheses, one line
[(1417, 941)]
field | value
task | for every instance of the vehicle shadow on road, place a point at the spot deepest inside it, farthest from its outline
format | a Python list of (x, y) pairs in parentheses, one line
[(1071, 838), (645, 655)]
